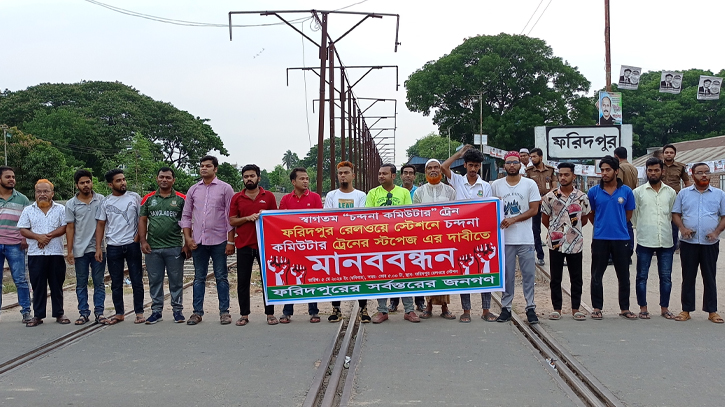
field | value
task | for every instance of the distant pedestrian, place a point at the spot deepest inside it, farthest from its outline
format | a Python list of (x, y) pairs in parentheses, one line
[(80, 216), (675, 176), (12, 244), (43, 224), (163, 243), (205, 221), (545, 179), (699, 213), (521, 202), (652, 218), (612, 204), (564, 211)]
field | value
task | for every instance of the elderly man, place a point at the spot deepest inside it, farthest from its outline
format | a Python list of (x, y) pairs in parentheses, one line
[(435, 191), (43, 225)]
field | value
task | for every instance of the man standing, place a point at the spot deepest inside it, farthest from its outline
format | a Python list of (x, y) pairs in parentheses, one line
[(12, 244), (630, 177), (162, 242), (652, 217), (525, 160), (435, 191), (300, 198), (118, 220), (43, 224), (545, 180), (699, 213), (346, 197), (564, 211), (389, 194), (205, 221), (521, 202), (674, 172), (245, 208), (612, 205), (80, 216), (470, 186)]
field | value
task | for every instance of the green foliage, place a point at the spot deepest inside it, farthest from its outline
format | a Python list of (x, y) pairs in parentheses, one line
[(310, 162), (433, 146), (661, 118), (523, 85), (231, 175), (139, 165), (264, 182), (290, 159), (279, 180)]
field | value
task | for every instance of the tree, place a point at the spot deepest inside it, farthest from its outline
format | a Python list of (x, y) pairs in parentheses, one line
[(661, 118), (138, 164), (522, 86), (279, 179), (290, 159), (432, 146), (230, 174)]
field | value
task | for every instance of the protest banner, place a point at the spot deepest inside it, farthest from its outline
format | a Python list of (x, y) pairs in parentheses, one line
[(364, 253)]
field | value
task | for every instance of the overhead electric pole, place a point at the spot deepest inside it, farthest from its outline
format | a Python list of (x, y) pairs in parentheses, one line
[(607, 56)]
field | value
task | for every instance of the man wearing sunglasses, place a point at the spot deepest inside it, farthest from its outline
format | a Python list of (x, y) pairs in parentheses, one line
[(389, 194)]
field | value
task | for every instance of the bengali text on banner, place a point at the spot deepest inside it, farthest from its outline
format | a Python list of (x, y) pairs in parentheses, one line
[(346, 254)]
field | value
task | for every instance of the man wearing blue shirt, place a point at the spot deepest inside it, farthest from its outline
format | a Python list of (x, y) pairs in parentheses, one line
[(612, 204), (699, 213)]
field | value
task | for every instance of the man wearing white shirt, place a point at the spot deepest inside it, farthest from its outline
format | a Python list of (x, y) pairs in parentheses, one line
[(43, 225), (470, 186)]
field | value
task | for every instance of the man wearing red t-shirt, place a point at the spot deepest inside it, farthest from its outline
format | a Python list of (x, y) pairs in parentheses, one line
[(300, 198), (244, 211)]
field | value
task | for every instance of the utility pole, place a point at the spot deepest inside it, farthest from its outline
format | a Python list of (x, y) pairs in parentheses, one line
[(607, 56), (5, 139)]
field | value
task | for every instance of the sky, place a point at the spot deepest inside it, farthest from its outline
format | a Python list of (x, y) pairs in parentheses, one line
[(241, 85)]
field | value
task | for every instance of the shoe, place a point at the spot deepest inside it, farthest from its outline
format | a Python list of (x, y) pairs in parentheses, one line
[(154, 318), (179, 317), (194, 319), (26, 317), (380, 317), (393, 308), (541, 262), (364, 317), (225, 318), (531, 316), (411, 316), (336, 315), (505, 316)]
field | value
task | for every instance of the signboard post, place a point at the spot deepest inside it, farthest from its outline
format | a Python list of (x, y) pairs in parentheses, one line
[(582, 142)]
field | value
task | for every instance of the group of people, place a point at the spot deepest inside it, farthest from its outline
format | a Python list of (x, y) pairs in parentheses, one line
[(212, 222)]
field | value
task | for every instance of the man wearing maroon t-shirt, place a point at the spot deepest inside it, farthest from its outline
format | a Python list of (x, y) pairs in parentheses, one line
[(300, 198), (244, 211)]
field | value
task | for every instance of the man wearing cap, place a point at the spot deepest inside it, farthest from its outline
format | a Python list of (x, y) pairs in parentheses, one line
[(525, 162), (470, 186), (435, 191), (545, 179)]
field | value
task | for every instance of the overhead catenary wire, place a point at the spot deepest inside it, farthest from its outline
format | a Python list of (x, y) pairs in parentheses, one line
[(540, 15), (532, 16)]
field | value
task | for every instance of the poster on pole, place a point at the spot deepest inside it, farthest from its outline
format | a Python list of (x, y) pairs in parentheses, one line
[(365, 253), (709, 88), (629, 77), (610, 108), (671, 82)]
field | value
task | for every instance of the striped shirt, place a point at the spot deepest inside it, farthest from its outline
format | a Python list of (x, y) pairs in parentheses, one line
[(10, 211)]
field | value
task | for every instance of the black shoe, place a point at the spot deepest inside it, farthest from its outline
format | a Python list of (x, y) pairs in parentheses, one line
[(336, 315), (364, 317), (531, 316), (505, 316)]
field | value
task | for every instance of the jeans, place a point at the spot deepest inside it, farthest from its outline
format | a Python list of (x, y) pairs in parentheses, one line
[(556, 266), (408, 305), (170, 260), (675, 235), (245, 260), (664, 269), (525, 253), (201, 257), (705, 256), (97, 270), (620, 253), (630, 230), (420, 301), (132, 254), (47, 272), (466, 301), (361, 303), (536, 225), (16, 263), (289, 309)]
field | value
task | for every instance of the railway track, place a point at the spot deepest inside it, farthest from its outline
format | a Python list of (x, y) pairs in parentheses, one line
[(74, 336)]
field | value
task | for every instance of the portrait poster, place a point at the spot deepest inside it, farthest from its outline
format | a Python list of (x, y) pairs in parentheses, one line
[(709, 87), (610, 108), (629, 77), (671, 82)]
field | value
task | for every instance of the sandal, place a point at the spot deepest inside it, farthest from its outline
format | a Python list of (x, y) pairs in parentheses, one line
[(242, 321), (139, 319), (447, 315), (644, 315), (101, 319), (285, 319), (714, 317), (63, 320), (35, 321), (627, 315), (314, 319), (684, 316), (272, 320), (113, 320), (426, 314), (82, 320), (597, 315), (465, 318), (490, 317), (555, 316), (668, 315), (580, 316)]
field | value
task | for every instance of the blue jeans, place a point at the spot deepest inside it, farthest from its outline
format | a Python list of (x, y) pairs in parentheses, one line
[(160, 262), (289, 309), (132, 254), (201, 257), (664, 269), (97, 270), (16, 262)]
